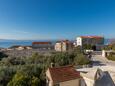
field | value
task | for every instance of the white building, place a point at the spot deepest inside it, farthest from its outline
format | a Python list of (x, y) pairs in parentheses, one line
[(93, 40), (63, 45), (96, 41), (58, 46)]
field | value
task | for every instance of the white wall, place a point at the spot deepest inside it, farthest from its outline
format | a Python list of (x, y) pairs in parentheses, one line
[(48, 75), (71, 83), (79, 41), (89, 82), (58, 47)]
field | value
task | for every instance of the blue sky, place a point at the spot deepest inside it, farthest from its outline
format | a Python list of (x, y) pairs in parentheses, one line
[(56, 19)]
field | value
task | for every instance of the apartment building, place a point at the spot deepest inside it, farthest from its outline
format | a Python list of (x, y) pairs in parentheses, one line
[(63, 45), (95, 41)]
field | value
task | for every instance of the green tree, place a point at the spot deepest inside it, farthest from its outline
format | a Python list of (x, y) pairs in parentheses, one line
[(80, 59), (27, 76), (87, 46)]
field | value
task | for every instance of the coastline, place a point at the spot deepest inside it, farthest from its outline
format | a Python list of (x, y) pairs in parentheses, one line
[(9, 43)]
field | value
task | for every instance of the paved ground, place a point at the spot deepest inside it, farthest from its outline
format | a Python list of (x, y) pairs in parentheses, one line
[(98, 60), (101, 63)]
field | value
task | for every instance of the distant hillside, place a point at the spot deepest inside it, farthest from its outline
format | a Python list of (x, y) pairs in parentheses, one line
[(112, 41)]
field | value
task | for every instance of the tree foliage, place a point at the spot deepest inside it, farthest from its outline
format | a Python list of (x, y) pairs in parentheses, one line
[(87, 46), (30, 71), (22, 79)]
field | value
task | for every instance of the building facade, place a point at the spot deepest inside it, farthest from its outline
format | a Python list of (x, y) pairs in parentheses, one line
[(64, 45), (97, 41), (93, 40), (42, 45)]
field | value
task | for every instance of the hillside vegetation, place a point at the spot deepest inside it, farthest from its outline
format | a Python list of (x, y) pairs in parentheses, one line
[(30, 71)]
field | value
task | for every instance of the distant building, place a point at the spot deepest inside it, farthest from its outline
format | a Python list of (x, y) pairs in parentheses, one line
[(42, 45), (63, 45), (19, 47), (95, 41), (63, 76)]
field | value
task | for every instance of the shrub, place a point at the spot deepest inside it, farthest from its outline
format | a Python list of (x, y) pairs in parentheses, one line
[(81, 59), (111, 57)]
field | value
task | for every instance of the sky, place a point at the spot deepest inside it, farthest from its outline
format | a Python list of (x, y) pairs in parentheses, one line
[(56, 19)]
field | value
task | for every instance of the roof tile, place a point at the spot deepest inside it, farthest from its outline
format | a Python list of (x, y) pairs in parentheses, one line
[(61, 74)]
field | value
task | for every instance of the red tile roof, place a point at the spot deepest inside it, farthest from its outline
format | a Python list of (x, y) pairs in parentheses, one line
[(41, 43), (61, 74), (65, 41), (91, 36)]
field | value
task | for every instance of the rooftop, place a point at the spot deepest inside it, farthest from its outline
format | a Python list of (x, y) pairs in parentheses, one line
[(65, 41), (41, 43), (91, 37), (61, 74)]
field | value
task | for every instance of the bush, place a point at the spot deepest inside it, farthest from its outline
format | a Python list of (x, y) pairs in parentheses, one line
[(87, 46), (80, 59), (6, 74), (2, 55), (27, 76), (111, 57), (22, 79)]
